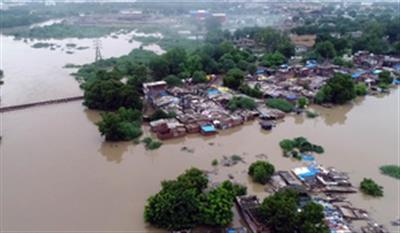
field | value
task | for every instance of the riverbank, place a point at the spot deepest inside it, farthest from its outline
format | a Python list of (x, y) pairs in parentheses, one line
[(80, 182)]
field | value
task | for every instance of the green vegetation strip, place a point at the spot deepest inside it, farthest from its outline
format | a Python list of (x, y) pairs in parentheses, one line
[(391, 170)]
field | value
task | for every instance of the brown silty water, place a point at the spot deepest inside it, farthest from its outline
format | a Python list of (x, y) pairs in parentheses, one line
[(58, 174)]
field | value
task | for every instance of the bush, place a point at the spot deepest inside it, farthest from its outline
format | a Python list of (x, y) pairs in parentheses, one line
[(280, 104), (302, 102), (361, 89), (214, 162), (261, 171), (234, 78), (391, 170), (241, 103), (301, 144), (369, 187), (161, 114), (273, 59), (311, 114), (252, 92), (280, 212), (173, 81), (199, 77), (338, 90), (385, 77), (123, 125), (184, 203), (151, 144)]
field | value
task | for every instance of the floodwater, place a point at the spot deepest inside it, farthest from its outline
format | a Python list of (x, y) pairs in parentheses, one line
[(58, 174), (32, 74)]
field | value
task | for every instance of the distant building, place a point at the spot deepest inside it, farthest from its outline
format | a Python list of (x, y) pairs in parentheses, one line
[(220, 16), (153, 90), (303, 43)]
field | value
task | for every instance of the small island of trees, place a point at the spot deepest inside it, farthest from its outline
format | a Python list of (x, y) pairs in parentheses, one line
[(369, 187)]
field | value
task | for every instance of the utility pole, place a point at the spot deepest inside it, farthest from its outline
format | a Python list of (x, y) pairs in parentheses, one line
[(97, 46)]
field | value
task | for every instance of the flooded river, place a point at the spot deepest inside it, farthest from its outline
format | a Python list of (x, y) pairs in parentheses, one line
[(33, 74), (58, 174)]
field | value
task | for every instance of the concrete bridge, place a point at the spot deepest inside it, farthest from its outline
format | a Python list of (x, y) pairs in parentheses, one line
[(40, 103)]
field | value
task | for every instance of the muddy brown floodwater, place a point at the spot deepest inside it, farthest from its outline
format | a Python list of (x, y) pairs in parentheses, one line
[(58, 174)]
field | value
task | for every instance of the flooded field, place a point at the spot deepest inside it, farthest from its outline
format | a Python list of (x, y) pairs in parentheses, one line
[(58, 174)]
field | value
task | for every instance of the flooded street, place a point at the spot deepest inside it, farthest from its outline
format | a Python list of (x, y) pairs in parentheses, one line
[(58, 174)]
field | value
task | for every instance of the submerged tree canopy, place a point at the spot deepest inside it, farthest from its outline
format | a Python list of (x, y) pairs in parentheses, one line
[(281, 213), (184, 203)]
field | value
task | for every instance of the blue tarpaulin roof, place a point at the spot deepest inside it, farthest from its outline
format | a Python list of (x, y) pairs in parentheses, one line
[(377, 71), (260, 71), (358, 74), (397, 67), (213, 91), (208, 128), (308, 158)]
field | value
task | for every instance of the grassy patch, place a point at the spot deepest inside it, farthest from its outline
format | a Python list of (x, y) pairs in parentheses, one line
[(280, 104)]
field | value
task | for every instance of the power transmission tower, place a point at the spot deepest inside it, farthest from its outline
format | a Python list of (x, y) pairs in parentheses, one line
[(97, 47)]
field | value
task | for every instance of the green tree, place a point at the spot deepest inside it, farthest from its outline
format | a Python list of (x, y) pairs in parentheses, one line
[(199, 77), (273, 59), (121, 125), (361, 89), (177, 205), (385, 77), (252, 68), (287, 145), (281, 213), (337, 90), (159, 67), (325, 49), (110, 94), (369, 187), (176, 59), (216, 208), (261, 171), (234, 78), (172, 80), (302, 102), (311, 219)]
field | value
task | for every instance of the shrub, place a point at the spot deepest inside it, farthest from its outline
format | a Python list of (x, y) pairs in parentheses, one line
[(311, 114), (361, 89), (261, 171), (369, 187), (280, 104), (121, 125), (214, 162), (161, 114), (151, 144), (302, 102), (290, 147), (241, 103), (234, 78), (173, 80), (391, 170), (338, 90)]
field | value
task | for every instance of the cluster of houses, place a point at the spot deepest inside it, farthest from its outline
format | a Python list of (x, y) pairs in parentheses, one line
[(202, 108), (197, 109), (318, 184)]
